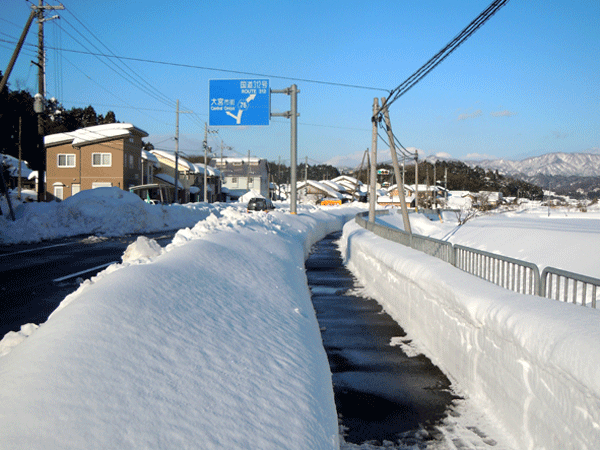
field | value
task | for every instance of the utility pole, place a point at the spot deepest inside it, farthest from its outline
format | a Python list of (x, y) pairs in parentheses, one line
[(177, 112), (417, 183), (306, 169), (176, 153), (434, 185), (40, 100), (248, 173), (292, 114), (446, 185), (373, 178), (205, 144), (388, 124)]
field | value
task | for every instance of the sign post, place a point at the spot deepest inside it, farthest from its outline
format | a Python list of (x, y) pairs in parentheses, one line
[(248, 102)]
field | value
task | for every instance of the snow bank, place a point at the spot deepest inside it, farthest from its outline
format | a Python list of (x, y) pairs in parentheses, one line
[(106, 211), (531, 364), (209, 343)]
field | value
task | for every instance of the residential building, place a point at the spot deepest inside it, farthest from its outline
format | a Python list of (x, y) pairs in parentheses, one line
[(241, 175), (98, 156), (186, 170)]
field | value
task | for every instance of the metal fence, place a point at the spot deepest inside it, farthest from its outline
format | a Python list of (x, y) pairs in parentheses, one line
[(516, 275), (569, 287), (510, 273)]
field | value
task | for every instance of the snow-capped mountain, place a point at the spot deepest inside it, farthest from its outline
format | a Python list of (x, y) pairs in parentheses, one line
[(551, 164)]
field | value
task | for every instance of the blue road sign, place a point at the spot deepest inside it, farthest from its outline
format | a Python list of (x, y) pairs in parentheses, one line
[(239, 102)]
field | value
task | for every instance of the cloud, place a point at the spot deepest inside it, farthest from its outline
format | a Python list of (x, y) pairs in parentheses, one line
[(479, 156), (470, 116), (443, 155), (504, 113)]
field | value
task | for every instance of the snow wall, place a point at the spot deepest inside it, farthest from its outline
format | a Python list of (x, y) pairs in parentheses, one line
[(530, 363), (210, 343)]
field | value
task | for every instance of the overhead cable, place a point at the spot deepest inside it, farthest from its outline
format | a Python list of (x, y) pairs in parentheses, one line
[(444, 52)]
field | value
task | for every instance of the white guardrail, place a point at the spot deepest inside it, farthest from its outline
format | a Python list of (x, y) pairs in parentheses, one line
[(510, 273)]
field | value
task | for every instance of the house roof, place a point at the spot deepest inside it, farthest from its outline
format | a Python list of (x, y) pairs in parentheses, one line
[(211, 171), (151, 158), (96, 133), (332, 184), (321, 187), (181, 162)]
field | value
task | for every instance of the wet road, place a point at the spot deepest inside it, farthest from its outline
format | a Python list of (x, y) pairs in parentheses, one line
[(381, 394), (35, 278)]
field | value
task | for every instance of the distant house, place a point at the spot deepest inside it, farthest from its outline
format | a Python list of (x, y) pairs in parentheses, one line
[(314, 191), (186, 171), (150, 164), (241, 175), (98, 156), (28, 176), (353, 186), (213, 183)]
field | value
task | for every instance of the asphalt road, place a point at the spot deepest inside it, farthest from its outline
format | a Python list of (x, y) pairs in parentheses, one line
[(35, 278), (381, 393)]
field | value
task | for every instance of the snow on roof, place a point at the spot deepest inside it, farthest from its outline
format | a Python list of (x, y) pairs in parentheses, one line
[(150, 157), (181, 162), (211, 171), (13, 166), (167, 178), (332, 184), (97, 133), (346, 178), (228, 160), (320, 186)]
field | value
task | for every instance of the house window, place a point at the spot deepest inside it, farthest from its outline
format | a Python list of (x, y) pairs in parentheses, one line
[(234, 180), (101, 159), (250, 181), (75, 188), (100, 184), (66, 160), (131, 161)]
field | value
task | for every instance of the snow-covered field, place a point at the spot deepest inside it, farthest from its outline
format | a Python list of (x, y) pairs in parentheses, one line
[(212, 342), (565, 238)]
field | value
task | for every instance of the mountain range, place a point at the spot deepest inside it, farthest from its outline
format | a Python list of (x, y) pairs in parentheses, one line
[(575, 174), (551, 164)]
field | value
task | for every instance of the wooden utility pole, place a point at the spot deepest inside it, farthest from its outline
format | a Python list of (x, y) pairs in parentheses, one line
[(306, 169), (388, 124), (40, 100), (20, 159), (417, 183), (373, 177), (205, 144)]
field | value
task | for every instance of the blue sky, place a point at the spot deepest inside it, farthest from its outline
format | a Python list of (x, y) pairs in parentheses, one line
[(525, 84)]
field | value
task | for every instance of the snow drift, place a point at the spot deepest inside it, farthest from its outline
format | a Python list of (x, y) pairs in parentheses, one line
[(209, 343), (530, 363)]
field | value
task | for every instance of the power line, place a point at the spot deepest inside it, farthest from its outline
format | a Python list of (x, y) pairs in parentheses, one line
[(444, 52), (238, 72)]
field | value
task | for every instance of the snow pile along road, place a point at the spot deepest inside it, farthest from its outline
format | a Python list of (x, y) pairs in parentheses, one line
[(530, 363), (103, 211), (209, 343)]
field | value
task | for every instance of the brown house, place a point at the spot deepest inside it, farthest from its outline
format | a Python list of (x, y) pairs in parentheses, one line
[(99, 156)]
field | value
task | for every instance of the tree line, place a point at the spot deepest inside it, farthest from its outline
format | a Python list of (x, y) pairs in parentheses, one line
[(18, 118), (461, 177)]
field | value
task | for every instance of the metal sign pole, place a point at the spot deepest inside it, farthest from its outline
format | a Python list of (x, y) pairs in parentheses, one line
[(293, 115)]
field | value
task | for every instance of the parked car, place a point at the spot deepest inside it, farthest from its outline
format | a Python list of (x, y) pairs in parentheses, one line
[(260, 204)]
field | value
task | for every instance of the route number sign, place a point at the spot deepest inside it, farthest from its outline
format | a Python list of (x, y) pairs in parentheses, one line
[(239, 102)]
